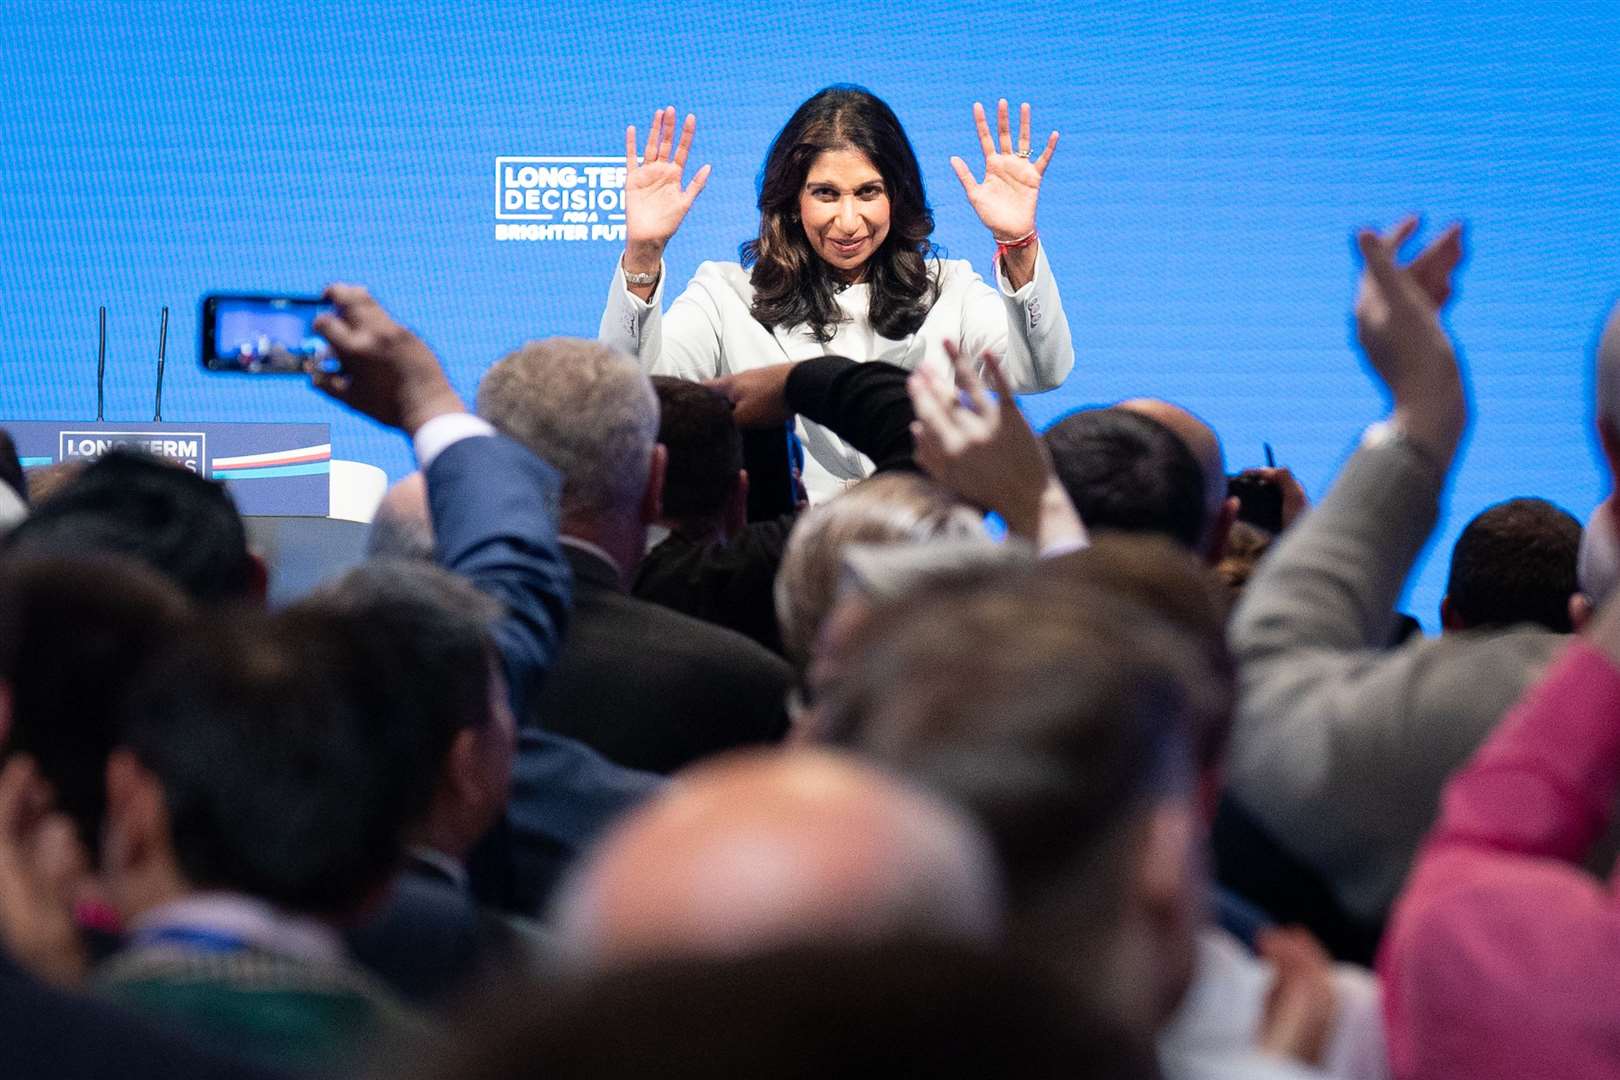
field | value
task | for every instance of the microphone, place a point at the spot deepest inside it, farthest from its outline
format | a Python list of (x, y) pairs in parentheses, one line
[(163, 342), (101, 368)]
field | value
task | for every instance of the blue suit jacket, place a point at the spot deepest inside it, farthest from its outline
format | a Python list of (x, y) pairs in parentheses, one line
[(494, 506)]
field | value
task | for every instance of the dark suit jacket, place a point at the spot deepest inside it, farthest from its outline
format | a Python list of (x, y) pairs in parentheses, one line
[(730, 583), (49, 1035), (494, 509), (432, 939), (652, 688)]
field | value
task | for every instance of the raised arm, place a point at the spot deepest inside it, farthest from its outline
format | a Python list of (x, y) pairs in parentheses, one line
[(1321, 725), (685, 342), (492, 501), (1019, 317)]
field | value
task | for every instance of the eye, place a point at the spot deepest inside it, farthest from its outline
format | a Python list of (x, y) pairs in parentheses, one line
[(822, 191), (872, 191)]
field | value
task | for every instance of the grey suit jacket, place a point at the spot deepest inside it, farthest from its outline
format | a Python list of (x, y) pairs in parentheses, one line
[(1341, 748)]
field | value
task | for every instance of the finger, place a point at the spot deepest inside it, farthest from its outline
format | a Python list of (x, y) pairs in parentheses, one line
[(1002, 128), (1435, 264), (985, 142), (932, 408), (344, 339), (342, 295), (686, 140), (969, 383), (1046, 155), (997, 379), (630, 148), (666, 148), (696, 185), (964, 174), (1023, 128), (1379, 264), (1396, 237), (654, 133)]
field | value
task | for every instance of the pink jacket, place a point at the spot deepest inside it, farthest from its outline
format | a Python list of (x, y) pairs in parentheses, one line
[(1503, 955)]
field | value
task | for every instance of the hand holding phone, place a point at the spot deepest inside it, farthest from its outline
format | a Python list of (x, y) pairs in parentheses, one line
[(261, 334)]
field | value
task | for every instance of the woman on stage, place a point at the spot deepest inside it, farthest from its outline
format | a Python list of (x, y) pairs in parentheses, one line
[(842, 264)]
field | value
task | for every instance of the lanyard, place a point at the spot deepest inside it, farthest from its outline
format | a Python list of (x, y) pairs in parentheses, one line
[(209, 941)]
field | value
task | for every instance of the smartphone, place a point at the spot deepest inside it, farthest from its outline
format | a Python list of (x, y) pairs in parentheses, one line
[(260, 334), (1259, 501)]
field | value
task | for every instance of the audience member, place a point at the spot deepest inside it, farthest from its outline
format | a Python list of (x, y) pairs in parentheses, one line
[(1088, 784), (74, 633), (1341, 748), (494, 507), (1500, 951), (889, 1009), (453, 726), (48, 1034), (761, 850), (180, 524), (646, 686), (254, 807), (402, 527), (1514, 563), (710, 563), (1127, 471), (1220, 509), (725, 574), (892, 508), (11, 470)]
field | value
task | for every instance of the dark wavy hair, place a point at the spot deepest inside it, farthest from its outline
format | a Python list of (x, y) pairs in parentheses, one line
[(792, 285)]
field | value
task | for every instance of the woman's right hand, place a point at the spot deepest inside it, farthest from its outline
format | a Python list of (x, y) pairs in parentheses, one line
[(655, 203)]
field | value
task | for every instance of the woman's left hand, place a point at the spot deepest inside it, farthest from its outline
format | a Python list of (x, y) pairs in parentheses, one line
[(1005, 199)]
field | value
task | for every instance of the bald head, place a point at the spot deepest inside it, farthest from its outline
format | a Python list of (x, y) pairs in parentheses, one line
[(1198, 436), (773, 848), (402, 528)]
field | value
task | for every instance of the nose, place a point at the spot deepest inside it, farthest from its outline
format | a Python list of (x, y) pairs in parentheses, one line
[(849, 219)]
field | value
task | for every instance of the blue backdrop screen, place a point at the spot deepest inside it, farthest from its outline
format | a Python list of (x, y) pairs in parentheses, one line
[(1215, 158)]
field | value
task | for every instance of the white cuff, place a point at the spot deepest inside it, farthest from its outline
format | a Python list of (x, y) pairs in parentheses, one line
[(440, 433)]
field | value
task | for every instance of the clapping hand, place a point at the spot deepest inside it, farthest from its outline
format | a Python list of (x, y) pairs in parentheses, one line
[(1005, 199), (387, 373), (655, 202), (987, 453), (1398, 325)]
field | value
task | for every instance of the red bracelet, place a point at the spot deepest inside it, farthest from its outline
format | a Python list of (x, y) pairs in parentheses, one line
[(1002, 247)]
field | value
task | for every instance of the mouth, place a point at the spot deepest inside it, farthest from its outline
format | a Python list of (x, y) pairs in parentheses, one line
[(847, 247)]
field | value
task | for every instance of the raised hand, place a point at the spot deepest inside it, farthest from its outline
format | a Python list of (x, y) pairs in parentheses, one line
[(1005, 199), (987, 453), (655, 202), (387, 373), (1398, 326)]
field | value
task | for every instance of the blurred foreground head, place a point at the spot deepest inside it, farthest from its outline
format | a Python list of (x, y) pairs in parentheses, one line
[(176, 522), (256, 758), (893, 1009), (891, 508), (764, 849), (1069, 709)]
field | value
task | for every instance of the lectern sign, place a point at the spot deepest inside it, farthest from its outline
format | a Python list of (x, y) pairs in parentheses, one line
[(280, 469), (188, 448)]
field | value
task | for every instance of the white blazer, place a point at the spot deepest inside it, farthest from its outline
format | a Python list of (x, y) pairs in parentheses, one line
[(709, 331)]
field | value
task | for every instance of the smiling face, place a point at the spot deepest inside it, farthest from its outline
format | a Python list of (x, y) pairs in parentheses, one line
[(844, 206)]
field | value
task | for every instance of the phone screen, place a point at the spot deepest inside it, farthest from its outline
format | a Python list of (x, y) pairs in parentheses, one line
[(261, 335)]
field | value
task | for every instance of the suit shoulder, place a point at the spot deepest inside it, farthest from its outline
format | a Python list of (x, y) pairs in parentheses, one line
[(725, 281)]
